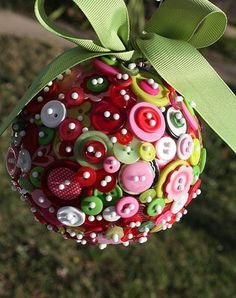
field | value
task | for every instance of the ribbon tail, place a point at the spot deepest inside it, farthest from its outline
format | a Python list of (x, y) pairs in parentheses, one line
[(184, 68)]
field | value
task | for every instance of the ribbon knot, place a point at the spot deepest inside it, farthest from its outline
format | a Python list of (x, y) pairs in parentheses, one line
[(170, 42)]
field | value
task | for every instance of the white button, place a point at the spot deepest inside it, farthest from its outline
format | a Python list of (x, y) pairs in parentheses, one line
[(178, 205), (166, 148), (53, 113), (70, 216), (109, 214), (24, 160), (174, 129)]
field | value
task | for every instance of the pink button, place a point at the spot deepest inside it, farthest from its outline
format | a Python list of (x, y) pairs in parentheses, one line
[(137, 177), (190, 118), (150, 87), (127, 207), (185, 146), (111, 164), (147, 122), (179, 183), (105, 68), (40, 199), (164, 218)]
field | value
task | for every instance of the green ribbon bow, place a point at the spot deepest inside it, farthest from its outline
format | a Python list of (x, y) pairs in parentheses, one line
[(170, 42)]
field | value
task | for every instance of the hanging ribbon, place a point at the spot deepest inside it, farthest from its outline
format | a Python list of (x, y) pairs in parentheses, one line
[(170, 43)]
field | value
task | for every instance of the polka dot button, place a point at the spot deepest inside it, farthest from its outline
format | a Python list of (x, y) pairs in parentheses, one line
[(35, 176), (111, 164), (107, 118), (53, 113), (184, 146), (110, 214), (165, 148), (155, 207), (127, 154), (176, 122), (74, 97), (40, 199), (24, 160), (147, 152), (127, 207), (137, 177), (196, 154), (86, 176), (70, 216), (92, 205), (147, 122), (70, 129)]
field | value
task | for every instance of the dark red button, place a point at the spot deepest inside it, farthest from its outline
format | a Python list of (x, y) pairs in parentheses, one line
[(107, 118), (86, 176), (105, 182), (192, 191), (124, 136), (122, 97), (122, 80), (31, 138), (148, 119), (75, 97), (94, 151), (70, 129), (66, 149)]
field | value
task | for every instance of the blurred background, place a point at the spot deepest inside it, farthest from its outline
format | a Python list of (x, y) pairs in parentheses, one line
[(195, 258)]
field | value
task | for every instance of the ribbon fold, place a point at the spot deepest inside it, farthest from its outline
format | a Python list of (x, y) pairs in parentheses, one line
[(170, 42)]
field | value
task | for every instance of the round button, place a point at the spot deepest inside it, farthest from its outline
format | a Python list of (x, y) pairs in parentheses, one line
[(105, 182), (184, 146), (196, 154), (137, 177), (166, 148), (147, 152), (155, 207), (46, 135), (94, 151), (177, 206), (110, 214), (111, 164), (86, 176), (127, 207), (70, 216), (70, 129), (35, 176), (176, 123), (124, 137), (40, 199), (202, 162), (147, 122), (75, 97), (127, 154), (122, 80), (194, 191), (66, 149), (11, 161), (24, 161), (107, 118), (111, 197), (53, 113), (92, 205), (148, 196), (122, 97), (97, 84)]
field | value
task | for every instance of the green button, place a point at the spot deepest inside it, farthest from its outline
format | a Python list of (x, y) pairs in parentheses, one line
[(175, 121), (127, 154), (202, 162), (81, 113), (109, 198), (155, 207), (97, 84), (110, 60), (92, 205), (35, 176), (148, 196), (46, 135), (132, 71), (146, 226), (25, 184)]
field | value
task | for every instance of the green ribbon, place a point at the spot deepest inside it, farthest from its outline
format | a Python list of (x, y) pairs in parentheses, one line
[(170, 43)]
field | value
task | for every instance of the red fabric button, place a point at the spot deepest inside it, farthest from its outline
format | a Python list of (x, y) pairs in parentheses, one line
[(75, 97), (66, 149), (70, 129), (94, 151), (124, 136), (86, 176), (148, 119), (105, 182), (122, 97), (107, 118)]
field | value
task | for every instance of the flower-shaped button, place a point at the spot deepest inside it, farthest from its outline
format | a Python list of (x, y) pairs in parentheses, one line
[(70, 129), (127, 207), (147, 122), (178, 183), (70, 216), (53, 113)]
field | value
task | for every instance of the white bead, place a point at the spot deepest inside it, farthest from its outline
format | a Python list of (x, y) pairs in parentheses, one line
[(126, 97), (94, 82), (49, 111), (86, 175), (107, 114), (61, 187), (103, 183), (149, 115), (125, 76), (108, 179), (72, 126), (114, 140), (122, 92), (131, 66), (152, 122), (124, 131), (108, 198), (100, 80), (68, 149), (74, 95), (90, 149), (150, 81), (116, 116), (98, 154), (92, 205)]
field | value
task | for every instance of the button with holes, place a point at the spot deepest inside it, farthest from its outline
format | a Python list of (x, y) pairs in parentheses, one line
[(91, 205), (109, 198), (105, 182), (97, 84), (53, 113), (86, 176), (70, 129), (165, 148), (70, 216), (147, 152), (46, 135), (127, 207), (156, 207), (184, 146), (124, 136), (148, 196), (74, 97), (35, 176), (122, 97), (111, 164), (110, 214), (127, 154), (176, 123)]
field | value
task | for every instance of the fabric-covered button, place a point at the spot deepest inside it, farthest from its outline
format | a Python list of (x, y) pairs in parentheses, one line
[(92, 205), (196, 154), (148, 196), (24, 161), (136, 178), (176, 123), (111, 197), (40, 199), (147, 122), (127, 207), (107, 118), (70, 129), (147, 152), (165, 148), (111, 164), (46, 135), (75, 97), (35, 176), (86, 176), (155, 207), (184, 146), (70, 216), (110, 214), (127, 154), (53, 113)]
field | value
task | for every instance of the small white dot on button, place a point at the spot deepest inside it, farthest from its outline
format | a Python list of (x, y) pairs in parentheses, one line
[(74, 95)]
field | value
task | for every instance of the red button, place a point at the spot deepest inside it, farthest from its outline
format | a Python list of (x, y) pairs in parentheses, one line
[(122, 97), (94, 151), (122, 80), (86, 176), (70, 129), (75, 97), (124, 136), (148, 119), (66, 149), (192, 191), (31, 138), (105, 182), (107, 118)]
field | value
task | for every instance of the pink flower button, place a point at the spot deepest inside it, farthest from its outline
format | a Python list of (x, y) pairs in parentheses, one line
[(179, 183)]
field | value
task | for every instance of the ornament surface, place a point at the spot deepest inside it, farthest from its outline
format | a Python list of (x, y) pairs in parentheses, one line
[(107, 153)]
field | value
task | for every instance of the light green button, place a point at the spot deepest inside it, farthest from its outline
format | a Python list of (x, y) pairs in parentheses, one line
[(110, 60), (202, 162), (46, 135), (92, 205), (35, 176), (109, 198), (148, 196), (127, 154), (155, 207), (81, 113), (126, 69)]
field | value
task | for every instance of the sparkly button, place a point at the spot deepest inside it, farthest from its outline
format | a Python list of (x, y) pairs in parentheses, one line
[(127, 207), (147, 122), (176, 122), (110, 214), (111, 164), (127, 154), (155, 207), (184, 146), (40, 199), (24, 160), (105, 182), (196, 154), (178, 205), (124, 136), (147, 152), (35, 176), (92, 205), (147, 196), (70, 129), (75, 97), (122, 97), (97, 84), (137, 177), (86, 176), (46, 135), (165, 148), (53, 113), (11, 161), (107, 118), (111, 197), (70, 216)]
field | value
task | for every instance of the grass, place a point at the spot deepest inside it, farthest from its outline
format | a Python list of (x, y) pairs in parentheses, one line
[(193, 259)]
